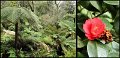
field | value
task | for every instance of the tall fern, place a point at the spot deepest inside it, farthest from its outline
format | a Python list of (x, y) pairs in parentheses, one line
[(13, 14)]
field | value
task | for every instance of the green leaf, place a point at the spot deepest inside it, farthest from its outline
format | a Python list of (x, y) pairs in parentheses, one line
[(97, 5), (80, 43), (12, 52), (85, 12), (112, 10), (92, 49), (80, 26), (47, 39), (113, 54), (115, 45), (102, 50), (114, 49), (108, 16), (96, 49), (67, 24), (107, 23), (112, 2), (116, 24), (80, 54), (87, 5)]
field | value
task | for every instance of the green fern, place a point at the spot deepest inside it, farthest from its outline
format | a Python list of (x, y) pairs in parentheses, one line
[(14, 15)]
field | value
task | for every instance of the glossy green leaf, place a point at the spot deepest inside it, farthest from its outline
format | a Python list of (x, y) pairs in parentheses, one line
[(96, 4), (112, 2), (107, 23), (116, 24), (87, 5), (85, 12), (114, 49), (96, 49), (92, 49), (108, 16), (112, 10), (113, 54), (115, 46)]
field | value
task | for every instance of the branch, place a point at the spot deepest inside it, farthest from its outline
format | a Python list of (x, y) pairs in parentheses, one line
[(31, 6), (9, 32), (100, 13)]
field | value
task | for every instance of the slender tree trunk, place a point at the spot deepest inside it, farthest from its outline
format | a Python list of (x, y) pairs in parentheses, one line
[(16, 38), (56, 8), (31, 6)]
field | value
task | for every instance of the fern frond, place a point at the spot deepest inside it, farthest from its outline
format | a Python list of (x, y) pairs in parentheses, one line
[(5, 12), (14, 15)]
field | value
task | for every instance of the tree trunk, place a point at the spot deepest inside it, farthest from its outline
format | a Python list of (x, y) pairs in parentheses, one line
[(16, 38), (31, 6)]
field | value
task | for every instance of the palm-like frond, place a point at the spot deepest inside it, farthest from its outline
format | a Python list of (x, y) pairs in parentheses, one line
[(14, 15), (5, 12)]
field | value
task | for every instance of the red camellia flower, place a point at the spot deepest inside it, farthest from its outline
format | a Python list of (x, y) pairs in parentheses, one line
[(93, 28)]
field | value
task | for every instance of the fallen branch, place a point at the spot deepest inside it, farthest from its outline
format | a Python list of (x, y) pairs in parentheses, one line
[(9, 32)]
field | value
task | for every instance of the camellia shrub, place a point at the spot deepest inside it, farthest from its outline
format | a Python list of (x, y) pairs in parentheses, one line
[(98, 29)]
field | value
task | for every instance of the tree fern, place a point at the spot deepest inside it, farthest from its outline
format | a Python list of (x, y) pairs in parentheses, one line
[(14, 15)]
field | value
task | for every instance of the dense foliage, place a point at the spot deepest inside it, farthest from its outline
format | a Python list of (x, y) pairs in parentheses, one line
[(108, 12), (45, 29), (50, 28)]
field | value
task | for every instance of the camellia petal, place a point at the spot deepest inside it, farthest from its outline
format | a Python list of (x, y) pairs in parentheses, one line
[(93, 28), (87, 26), (89, 37)]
